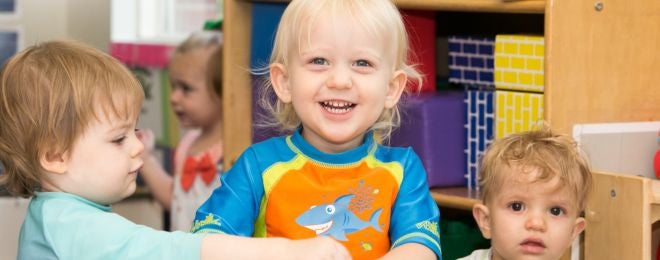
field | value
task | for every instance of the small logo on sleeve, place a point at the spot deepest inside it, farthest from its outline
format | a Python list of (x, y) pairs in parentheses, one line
[(209, 220), (430, 226)]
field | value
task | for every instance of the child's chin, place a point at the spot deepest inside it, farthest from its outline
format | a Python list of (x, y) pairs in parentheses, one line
[(127, 193)]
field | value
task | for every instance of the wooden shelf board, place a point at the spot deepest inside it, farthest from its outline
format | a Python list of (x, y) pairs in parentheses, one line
[(498, 6), (455, 197)]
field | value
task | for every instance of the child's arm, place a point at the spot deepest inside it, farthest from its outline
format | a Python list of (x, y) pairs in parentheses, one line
[(217, 246), (410, 251), (159, 182), (233, 208), (415, 215)]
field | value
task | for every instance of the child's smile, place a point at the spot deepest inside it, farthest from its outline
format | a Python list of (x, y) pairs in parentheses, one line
[(337, 106)]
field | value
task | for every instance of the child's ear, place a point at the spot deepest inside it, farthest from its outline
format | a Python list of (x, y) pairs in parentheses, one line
[(482, 217), (578, 227), (279, 77), (395, 88), (55, 162)]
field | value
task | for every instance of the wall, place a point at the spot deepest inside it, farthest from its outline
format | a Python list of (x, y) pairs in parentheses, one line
[(84, 20), (89, 21), (13, 212)]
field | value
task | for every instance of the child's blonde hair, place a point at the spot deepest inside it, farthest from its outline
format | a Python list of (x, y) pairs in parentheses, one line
[(378, 17), (206, 40), (553, 155), (48, 96)]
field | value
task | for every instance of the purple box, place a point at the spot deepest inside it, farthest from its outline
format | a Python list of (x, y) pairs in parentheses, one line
[(434, 126), (259, 131)]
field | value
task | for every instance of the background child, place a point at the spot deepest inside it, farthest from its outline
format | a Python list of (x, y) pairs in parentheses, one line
[(338, 68), (196, 98), (534, 187), (68, 140)]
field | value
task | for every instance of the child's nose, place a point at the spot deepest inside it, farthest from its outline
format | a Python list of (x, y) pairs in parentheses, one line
[(138, 148), (175, 95), (536, 222), (340, 78)]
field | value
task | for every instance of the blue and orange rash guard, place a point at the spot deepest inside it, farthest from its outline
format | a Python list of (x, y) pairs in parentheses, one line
[(372, 198)]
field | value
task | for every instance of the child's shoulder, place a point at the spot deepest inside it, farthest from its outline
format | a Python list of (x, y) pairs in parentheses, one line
[(394, 152), (404, 156), (274, 148), (57, 203), (57, 210)]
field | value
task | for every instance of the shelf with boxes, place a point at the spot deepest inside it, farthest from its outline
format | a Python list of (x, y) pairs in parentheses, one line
[(450, 129)]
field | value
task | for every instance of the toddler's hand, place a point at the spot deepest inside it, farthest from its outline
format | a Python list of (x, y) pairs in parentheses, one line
[(318, 248), (147, 138)]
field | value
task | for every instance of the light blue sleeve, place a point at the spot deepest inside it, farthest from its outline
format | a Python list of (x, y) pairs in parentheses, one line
[(83, 233), (415, 215)]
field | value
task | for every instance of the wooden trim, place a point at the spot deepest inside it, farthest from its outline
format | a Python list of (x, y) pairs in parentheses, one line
[(497, 6), (455, 197), (237, 90)]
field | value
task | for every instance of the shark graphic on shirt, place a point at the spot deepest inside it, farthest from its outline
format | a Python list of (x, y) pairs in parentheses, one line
[(336, 220)]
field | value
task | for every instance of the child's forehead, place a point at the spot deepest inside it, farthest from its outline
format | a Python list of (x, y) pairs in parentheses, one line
[(512, 178), (509, 175), (342, 21), (118, 106), (326, 32), (527, 185)]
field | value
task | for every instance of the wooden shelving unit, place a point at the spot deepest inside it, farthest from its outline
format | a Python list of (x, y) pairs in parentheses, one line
[(601, 62)]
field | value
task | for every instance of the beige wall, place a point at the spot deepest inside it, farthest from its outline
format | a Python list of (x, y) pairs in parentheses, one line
[(89, 21), (43, 20)]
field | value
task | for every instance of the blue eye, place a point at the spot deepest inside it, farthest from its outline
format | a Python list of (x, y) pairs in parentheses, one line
[(330, 209), (362, 63), (318, 61)]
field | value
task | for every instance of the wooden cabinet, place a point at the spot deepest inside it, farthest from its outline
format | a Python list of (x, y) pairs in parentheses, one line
[(621, 214), (601, 62)]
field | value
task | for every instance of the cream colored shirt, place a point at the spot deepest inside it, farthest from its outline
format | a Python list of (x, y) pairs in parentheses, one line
[(185, 203), (480, 254)]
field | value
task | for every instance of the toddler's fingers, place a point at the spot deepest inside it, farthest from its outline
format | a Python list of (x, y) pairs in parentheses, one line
[(146, 136), (342, 252), (339, 251)]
